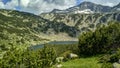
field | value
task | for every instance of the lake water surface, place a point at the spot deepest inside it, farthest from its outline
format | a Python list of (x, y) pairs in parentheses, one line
[(35, 47)]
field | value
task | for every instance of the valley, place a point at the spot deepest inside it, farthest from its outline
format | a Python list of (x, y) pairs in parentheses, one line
[(89, 32)]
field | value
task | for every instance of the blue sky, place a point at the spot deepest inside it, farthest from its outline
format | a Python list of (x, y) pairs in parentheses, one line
[(78, 2), (5, 1), (39, 6)]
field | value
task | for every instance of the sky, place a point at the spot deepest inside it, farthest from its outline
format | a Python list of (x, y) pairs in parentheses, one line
[(40, 6)]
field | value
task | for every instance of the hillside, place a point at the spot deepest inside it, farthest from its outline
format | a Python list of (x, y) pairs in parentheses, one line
[(83, 22), (26, 28), (33, 29)]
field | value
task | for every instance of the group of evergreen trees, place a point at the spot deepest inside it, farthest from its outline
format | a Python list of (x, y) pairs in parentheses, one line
[(104, 39)]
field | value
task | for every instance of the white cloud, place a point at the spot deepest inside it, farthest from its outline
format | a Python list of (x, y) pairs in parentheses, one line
[(2, 5), (24, 3), (12, 4), (105, 2), (38, 6)]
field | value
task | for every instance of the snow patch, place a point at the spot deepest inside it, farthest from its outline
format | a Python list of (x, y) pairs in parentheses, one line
[(86, 11)]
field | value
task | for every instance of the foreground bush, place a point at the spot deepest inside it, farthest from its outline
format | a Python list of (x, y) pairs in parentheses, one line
[(28, 59), (64, 48), (111, 58), (107, 65)]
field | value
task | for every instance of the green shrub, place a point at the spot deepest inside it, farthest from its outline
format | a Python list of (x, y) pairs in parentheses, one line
[(29, 59), (66, 55), (108, 59), (104, 59), (115, 57), (107, 65), (63, 48)]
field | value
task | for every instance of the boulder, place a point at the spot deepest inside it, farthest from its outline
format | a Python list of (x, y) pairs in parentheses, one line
[(59, 65), (116, 65), (72, 56), (59, 59), (119, 61)]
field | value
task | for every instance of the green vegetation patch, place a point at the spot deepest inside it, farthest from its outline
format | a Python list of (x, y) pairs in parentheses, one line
[(90, 62)]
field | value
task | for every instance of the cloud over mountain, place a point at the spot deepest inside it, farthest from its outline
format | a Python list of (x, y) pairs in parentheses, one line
[(105, 2), (39, 6)]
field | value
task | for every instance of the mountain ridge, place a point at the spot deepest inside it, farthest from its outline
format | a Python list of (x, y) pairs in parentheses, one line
[(96, 8), (83, 22)]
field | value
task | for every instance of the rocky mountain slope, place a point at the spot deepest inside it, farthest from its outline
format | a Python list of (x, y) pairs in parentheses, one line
[(26, 28), (83, 22), (116, 8), (85, 16)]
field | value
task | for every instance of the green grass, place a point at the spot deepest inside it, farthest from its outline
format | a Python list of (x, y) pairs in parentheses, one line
[(91, 62)]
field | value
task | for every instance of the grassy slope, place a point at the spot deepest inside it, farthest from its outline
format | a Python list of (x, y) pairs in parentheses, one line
[(91, 62)]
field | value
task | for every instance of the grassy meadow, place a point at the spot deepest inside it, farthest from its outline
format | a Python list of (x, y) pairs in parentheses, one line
[(89, 62)]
